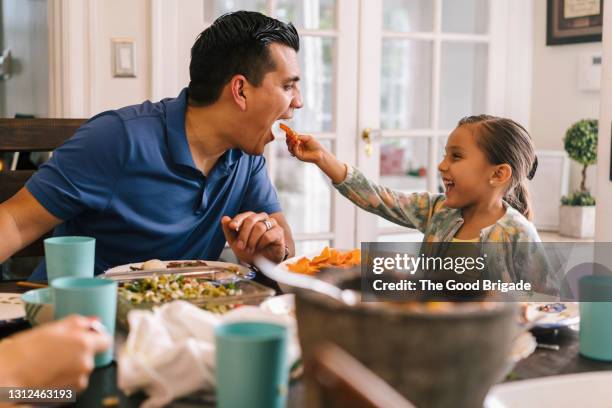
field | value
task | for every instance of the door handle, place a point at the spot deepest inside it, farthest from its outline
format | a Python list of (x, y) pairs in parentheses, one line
[(5, 64), (368, 135)]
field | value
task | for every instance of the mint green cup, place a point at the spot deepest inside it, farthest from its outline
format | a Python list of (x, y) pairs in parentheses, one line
[(88, 297), (69, 256), (251, 365), (595, 294)]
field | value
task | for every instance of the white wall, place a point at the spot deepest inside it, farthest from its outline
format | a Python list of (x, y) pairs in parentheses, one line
[(603, 226), (119, 19), (81, 80), (556, 102)]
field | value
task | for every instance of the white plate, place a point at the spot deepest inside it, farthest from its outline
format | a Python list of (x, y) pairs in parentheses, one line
[(563, 391), (11, 308), (243, 270), (560, 314)]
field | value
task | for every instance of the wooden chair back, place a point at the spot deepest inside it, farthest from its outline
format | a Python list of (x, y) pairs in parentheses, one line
[(30, 135)]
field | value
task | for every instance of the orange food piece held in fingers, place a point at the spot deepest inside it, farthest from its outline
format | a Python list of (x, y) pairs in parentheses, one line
[(292, 134)]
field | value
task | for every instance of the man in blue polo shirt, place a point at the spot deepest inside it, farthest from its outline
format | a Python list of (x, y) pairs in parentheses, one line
[(178, 178)]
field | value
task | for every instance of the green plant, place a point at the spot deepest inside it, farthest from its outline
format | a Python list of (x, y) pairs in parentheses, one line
[(580, 143), (578, 199)]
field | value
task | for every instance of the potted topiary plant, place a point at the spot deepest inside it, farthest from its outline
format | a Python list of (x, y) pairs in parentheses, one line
[(577, 215)]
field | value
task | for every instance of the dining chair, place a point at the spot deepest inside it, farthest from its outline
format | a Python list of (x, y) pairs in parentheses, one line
[(30, 135), (342, 381)]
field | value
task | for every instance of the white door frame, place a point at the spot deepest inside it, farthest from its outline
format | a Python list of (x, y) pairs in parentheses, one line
[(73, 65)]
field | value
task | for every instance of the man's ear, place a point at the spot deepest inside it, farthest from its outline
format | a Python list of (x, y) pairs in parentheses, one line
[(237, 84), (501, 174)]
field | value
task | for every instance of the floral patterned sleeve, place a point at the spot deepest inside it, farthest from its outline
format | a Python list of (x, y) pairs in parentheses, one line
[(409, 210)]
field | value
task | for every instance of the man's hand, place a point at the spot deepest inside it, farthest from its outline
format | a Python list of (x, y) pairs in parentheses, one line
[(249, 234)]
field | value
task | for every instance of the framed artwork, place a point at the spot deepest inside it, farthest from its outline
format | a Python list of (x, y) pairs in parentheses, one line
[(573, 21)]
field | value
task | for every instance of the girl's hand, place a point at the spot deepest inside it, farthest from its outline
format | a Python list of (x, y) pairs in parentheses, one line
[(306, 148)]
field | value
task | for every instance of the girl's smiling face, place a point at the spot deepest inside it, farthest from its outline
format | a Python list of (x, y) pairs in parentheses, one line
[(465, 170)]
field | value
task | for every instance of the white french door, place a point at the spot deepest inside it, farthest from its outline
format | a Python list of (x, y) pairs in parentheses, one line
[(408, 69), (423, 65)]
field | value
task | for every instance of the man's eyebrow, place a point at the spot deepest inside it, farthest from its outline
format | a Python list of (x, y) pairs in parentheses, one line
[(292, 79)]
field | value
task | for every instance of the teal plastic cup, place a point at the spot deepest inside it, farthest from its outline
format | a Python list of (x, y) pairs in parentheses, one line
[(69, 256), (88, 297), (251, 365), (595, 294)]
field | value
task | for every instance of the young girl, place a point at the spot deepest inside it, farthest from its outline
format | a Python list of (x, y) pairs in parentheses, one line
[(485, 168)]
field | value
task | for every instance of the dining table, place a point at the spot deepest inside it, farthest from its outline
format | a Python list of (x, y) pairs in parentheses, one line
[(103, 390)]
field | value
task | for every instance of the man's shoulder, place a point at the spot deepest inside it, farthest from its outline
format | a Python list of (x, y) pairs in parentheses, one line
[(128, 121), (144, 110), (254, 162)]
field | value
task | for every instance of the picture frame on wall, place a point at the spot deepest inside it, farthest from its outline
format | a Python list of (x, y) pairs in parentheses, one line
[(573, 21)]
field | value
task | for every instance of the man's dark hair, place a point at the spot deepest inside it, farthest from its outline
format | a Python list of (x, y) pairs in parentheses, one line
[(236, 43)]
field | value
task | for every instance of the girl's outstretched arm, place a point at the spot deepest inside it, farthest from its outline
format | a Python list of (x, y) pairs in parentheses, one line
[(306, 148), (410, 210)]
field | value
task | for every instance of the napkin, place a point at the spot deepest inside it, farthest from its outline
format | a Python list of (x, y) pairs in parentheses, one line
[(170, 351)]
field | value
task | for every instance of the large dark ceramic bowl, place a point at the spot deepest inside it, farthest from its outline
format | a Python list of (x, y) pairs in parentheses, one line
[(435, 358)]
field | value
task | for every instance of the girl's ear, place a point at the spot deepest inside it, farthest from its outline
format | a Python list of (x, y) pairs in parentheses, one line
[(501, 175), (237, 86)]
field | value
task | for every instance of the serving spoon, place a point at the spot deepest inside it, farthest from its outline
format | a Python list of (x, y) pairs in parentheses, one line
[(272, 271)]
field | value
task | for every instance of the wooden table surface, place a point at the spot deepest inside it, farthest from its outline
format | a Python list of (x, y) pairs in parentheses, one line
[(542, 363)]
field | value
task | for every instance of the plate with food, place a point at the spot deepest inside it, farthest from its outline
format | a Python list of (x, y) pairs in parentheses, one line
[(551, 315), (327, 258), (210, 270), (155, 290)]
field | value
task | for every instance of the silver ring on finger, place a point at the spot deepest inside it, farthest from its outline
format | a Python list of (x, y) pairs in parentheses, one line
[(268, 224)]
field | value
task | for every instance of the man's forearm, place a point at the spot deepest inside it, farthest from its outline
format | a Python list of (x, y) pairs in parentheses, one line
[(11, 240), (22, 221)]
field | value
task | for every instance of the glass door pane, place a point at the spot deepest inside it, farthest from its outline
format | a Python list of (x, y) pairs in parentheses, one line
[(403, 166), (408, 15), (316, 58), (463, 81), (465, 16), (405, 95), (303, 190), (308, 14), (216, 8)]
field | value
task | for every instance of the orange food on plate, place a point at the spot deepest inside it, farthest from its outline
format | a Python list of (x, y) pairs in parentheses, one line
[(329, 257)]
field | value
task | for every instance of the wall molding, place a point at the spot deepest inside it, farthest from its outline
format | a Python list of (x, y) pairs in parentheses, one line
[(71, 68), (509, 90)]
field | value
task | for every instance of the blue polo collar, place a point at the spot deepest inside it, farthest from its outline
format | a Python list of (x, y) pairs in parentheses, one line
[(177, 137)]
